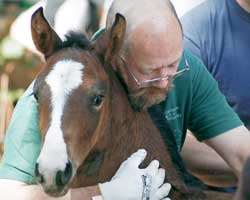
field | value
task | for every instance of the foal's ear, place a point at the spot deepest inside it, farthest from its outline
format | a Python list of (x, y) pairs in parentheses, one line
[(44, 37), (116, 37)]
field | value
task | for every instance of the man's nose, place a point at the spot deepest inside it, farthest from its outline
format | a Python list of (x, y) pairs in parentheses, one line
[(164, 71), (162, 83)]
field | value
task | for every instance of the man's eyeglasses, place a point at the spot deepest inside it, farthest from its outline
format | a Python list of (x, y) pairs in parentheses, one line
[(150, 82)]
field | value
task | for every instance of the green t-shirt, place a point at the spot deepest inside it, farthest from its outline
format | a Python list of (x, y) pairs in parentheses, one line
[(195, 103)]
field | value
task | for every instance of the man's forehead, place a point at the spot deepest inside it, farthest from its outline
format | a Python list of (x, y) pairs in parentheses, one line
[(147, 44)]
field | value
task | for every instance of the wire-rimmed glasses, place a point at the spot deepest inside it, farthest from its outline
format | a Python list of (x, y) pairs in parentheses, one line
[(150, 82)]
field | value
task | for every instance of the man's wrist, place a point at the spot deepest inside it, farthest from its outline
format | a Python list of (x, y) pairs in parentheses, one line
[(85, 193)]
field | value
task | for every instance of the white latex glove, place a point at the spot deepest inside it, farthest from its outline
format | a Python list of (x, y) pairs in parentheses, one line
[(132, 183)]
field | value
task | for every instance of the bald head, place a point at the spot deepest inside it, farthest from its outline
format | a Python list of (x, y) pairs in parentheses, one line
[(147, 17), (141, 11)]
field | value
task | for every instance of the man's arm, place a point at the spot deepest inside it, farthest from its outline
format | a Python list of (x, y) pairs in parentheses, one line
[(221, 166), (207, 165), (233, 146), (15, 190)]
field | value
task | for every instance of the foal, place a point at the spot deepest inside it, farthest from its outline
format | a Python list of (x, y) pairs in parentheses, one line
[(87, 124)]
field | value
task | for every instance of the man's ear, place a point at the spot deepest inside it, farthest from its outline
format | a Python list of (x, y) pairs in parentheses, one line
[(116, 38), (44, 37)]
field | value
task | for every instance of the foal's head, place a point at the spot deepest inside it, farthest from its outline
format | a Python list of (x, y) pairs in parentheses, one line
[(72, 92)]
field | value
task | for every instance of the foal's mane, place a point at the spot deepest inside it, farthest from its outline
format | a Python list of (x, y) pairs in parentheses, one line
[(76, 40)]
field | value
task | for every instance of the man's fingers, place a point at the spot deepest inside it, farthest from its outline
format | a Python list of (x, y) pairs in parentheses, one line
[(163, 191), (153, 167), (160, 177), (136, 158)]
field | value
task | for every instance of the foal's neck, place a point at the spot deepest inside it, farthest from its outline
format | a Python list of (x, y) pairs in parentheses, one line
[(128, 131), (131, 131)]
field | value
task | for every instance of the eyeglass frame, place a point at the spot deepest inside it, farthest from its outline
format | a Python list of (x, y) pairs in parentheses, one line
[(146, 83)]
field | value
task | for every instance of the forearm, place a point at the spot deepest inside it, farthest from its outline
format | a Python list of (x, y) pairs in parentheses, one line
[(233, 147), (206, 164), (35, 192), (85, 193), (28, 192)]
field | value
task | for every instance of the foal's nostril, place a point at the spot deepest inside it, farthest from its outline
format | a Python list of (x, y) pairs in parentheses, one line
[(62, 178), (39, 177)]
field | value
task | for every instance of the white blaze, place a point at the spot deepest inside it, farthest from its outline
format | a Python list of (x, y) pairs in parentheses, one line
[(65, 76)]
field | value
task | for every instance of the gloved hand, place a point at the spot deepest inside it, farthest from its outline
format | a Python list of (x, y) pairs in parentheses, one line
[(132, 183)]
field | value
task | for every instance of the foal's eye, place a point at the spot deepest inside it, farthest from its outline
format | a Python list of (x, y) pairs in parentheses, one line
[(97, 100)]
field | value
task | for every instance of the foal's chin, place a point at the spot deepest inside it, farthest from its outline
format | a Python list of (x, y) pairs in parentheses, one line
[(55, 191)]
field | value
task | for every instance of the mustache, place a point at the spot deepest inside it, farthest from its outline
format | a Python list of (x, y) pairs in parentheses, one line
[(144, 98)]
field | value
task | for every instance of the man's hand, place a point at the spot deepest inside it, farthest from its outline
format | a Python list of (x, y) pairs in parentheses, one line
[(132, 183)]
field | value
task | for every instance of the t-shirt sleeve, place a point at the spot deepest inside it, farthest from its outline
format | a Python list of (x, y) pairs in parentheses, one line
[(196, 25), (210, 114), (22, 143), (192, 40), (192, 46)]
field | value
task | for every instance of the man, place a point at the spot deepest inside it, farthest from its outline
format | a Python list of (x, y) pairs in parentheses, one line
[(153, 51), (218, 33)]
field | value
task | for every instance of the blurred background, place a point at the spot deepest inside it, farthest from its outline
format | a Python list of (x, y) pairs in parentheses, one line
[(20, 62), (18, 66)]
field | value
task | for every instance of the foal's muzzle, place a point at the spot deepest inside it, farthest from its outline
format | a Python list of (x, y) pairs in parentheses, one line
[(55, 183)]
